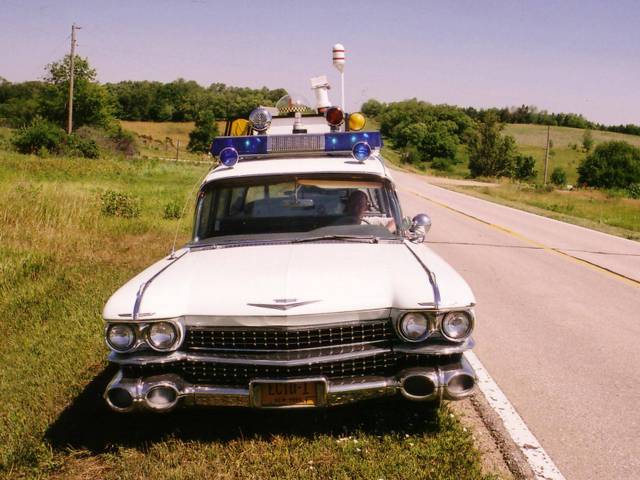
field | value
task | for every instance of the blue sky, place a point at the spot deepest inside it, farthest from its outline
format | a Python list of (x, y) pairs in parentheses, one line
[(581, 57)]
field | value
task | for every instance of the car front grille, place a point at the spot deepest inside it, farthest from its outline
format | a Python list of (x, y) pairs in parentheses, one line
[(240, 374), (274, 339), (233, 374)]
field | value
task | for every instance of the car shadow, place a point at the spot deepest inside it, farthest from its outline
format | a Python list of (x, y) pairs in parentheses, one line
[(88, 424)]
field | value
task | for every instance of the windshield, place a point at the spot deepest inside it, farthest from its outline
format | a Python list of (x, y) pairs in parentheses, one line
[(297, 207)]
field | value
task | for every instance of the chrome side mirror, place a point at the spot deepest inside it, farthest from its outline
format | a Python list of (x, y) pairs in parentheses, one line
[(420, 226)]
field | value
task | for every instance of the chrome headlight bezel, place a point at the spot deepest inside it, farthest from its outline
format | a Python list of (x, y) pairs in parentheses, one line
[(142, 331), (110, 327), (149, 334), (402, 329), (449, 316)]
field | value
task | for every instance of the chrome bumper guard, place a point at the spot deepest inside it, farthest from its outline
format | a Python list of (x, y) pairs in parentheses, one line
[(165, 392)]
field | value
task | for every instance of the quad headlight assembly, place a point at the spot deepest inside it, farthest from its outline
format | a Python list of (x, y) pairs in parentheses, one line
[(162, 335), (418, 326)]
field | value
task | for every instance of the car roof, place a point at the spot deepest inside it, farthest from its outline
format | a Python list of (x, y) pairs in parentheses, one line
[(301, 165)]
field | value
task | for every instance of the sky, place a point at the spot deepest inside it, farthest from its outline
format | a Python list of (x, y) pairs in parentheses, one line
[(581, 57)]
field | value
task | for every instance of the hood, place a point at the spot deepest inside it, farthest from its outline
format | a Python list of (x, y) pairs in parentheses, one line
[(282, 280)]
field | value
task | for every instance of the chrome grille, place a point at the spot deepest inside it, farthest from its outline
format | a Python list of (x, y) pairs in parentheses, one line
[(231, 374), (207, 338)]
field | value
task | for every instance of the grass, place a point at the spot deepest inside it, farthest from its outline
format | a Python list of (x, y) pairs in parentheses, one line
[(532, 140), (594, 209), (60, 259), (163, 139)]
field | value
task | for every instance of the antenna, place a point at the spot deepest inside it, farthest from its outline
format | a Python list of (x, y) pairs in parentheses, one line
[(184, 210), (338, 62)]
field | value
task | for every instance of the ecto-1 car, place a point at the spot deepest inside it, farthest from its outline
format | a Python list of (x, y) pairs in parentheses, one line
[(303, 285)]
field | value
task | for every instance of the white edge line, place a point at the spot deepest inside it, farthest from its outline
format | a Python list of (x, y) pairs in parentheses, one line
[(541, 464)]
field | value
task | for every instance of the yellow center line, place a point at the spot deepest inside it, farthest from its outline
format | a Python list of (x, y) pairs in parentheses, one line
[(542, 246)]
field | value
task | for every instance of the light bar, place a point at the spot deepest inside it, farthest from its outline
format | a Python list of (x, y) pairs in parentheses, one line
[(296, 143)]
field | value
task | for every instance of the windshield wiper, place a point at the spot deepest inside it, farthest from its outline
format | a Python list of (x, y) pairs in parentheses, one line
[(344, 238)]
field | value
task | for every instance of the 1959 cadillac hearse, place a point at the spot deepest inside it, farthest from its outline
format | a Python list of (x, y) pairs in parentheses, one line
[(302, 286)]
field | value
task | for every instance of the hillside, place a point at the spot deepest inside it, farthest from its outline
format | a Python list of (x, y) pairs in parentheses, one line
[(532, 139)]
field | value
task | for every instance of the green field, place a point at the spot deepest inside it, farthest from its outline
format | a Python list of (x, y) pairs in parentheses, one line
[(163, 139), (60, 259), (532, 140)]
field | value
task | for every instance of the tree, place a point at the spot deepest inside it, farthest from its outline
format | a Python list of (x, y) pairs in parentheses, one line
[(92, 104), (432, 140), (372, 108), (611, 165), (206, 129), (490, 152), (587, 141), (524, 167), (58, 72)]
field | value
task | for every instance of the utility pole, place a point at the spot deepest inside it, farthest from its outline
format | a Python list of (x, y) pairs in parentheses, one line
[(546, 155), (72, 62)]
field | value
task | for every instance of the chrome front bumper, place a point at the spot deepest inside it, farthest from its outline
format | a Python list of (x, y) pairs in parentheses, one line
[(452, 381)]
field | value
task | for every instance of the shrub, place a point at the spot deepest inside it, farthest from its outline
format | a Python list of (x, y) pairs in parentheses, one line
[(559, 176), (443, 164), (81, 147), (115, 204), (524, 167), (634, 190), (205, 130), (172, 210), (39, 135), (611, 165)]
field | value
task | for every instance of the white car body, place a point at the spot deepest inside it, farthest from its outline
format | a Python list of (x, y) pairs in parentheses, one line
[(286, 286)]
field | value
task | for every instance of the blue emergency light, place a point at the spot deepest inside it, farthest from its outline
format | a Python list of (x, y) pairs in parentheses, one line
[(256, 145)]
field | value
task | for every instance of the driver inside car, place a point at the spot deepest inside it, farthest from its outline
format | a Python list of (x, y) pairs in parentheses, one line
[(357, 207)]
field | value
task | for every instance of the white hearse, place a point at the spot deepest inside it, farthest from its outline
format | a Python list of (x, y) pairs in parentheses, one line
[(303, 286)]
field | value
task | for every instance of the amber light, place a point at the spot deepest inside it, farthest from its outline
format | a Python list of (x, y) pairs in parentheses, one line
[(334, 116), (357, 121)]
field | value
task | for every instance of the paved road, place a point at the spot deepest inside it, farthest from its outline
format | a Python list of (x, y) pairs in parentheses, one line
[(559, 323)]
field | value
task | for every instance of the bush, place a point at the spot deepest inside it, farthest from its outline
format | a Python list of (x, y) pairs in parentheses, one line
[(559, 176), (611, 165), (40, 135), (442, 164), (172, 210), (81, 147), (634, 190), (205, 130), (524, 167), (115, 204)]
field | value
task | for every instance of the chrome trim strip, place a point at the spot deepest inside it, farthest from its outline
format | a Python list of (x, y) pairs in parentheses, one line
[(143, 287), (310, 320), (440, 348), (432, 277), (145, 359)]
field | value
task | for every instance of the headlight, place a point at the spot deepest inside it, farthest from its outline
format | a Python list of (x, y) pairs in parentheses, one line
[(414, 326), (457, 326), (121, 337), (162, 335)]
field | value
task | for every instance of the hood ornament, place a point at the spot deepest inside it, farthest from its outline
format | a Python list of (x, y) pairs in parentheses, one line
[(283, 303)]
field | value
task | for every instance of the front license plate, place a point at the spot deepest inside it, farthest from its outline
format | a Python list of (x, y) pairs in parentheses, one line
[(289, 394)]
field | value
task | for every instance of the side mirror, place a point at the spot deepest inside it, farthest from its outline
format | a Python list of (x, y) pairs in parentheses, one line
[(420, 226)]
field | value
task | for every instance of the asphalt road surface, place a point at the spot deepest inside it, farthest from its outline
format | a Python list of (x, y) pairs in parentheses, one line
[(558, 323)]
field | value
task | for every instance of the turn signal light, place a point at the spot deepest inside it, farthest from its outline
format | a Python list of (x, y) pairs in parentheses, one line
[(357, 121)]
